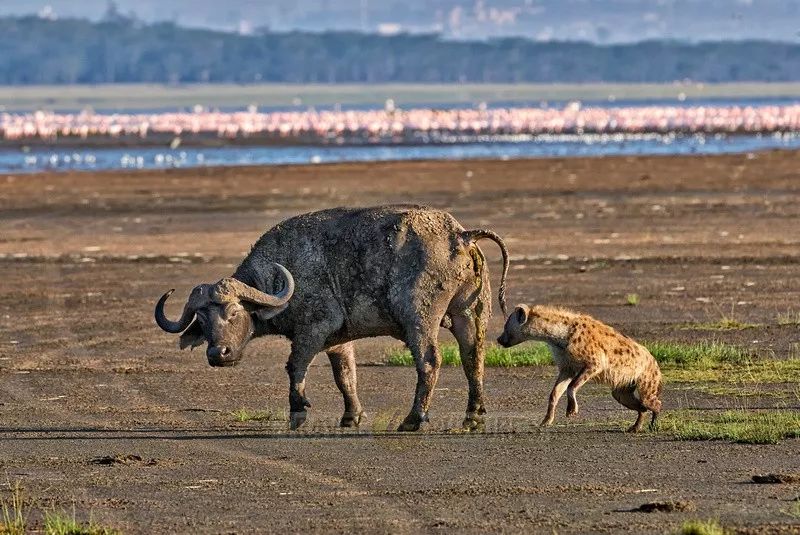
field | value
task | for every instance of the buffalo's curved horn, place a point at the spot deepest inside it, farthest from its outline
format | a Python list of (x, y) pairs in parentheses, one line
[(256, 296), (199, 293)]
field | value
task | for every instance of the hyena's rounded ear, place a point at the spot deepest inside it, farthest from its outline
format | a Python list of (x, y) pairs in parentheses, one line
[(521, 314)]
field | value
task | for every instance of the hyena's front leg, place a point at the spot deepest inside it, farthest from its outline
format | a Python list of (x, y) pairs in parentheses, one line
[(581, 379), (562, 381)]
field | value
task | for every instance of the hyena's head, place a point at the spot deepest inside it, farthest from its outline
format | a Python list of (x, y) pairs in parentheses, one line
[(515, 330), (538, 322)]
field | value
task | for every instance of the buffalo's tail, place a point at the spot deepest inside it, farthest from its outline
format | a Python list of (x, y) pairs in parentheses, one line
[(480, 234)]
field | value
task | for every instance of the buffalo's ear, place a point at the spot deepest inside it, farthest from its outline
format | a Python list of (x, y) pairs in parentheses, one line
[(192, 337), (265, 313)]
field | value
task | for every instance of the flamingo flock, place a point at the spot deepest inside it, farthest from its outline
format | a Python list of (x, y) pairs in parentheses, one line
[(397, 125)]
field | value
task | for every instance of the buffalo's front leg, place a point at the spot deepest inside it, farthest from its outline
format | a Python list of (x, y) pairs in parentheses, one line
[(303, 352), (343, 365), (427, 358)]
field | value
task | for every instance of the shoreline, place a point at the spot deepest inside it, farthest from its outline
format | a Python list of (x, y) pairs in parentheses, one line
[(412, 165), (211, 140)]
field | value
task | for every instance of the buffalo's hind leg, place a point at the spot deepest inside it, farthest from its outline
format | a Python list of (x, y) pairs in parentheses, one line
[(343, 365), (424, 347), (470, 310), (469, 330)]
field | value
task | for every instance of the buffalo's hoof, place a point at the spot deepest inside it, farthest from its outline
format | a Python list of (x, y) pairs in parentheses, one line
[(412, 422), (296, 419), (351, 419)]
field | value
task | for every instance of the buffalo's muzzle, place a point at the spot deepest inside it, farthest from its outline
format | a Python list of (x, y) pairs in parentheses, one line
[(220, 356)]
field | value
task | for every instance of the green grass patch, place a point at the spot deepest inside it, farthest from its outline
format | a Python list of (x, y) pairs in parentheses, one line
[(59, 523), (746, 427), (702, 355), (702, 527), (713, 361), (496, 356), (754, 371), (245, 415), (705, 361)]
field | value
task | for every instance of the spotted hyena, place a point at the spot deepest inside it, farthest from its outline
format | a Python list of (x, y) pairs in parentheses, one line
[(585, 349)]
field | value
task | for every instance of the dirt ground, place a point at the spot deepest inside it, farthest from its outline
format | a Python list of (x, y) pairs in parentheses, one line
[(85, 373)]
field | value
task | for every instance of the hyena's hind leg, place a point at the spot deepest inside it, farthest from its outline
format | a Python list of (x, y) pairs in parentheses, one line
[(650, 394), (625, 395)]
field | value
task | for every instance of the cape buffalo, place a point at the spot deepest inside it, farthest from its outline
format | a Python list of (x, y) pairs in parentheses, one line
[(325, 279)]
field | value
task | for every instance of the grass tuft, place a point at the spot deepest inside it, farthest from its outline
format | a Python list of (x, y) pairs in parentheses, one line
[(744, 427), (788, 318), (632, 299), (496, 356), (245, 415), (702, 527), (59, 523), (13, 514)]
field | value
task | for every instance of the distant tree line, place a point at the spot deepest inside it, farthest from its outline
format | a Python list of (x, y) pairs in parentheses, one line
[(68, 51)]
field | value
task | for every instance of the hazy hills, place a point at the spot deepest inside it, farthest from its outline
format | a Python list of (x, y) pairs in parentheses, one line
[(34, 50)]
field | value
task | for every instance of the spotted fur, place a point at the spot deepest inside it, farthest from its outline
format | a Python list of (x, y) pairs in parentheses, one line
[(586, 349)]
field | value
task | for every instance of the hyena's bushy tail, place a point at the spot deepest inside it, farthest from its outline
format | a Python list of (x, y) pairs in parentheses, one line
[(480, 234)]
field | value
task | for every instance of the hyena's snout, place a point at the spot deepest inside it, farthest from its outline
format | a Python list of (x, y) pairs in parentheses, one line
[(504, 340)]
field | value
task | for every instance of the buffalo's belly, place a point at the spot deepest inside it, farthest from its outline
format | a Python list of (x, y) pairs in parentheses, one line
[(365, 318)]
